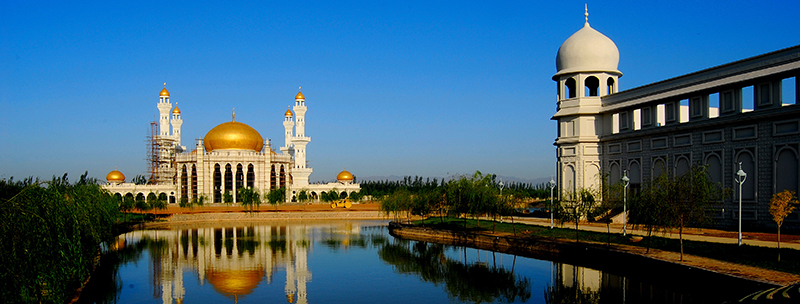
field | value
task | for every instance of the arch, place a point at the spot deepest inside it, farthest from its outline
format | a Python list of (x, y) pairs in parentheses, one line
[(786, 169), (129, 195), (228, 178), (184, 182), (343, 195), (273, 180), (118, 196), (217, 184), (659, 167), (714, 163), (251, 176), (568, 188), (614, 173), (194, 180), (611, 85), (239, 182), (591, 177), (682, 165), (592, 86), (140, 196), (314, 195), (282, 177), (163, 196), (569, 88), (749, 166), (635, 173)]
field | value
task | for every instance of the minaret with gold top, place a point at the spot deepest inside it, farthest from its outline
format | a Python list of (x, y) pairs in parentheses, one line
[(164, 106), (300, 172), (176, 125), (288, 126)]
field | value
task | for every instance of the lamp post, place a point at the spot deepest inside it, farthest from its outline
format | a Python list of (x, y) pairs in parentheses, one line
[(501, 185), (741, 176), (552, 185), (625, 182)]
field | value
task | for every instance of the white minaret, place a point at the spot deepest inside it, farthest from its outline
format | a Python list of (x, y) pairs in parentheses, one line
[(587, 69), (164, 106), (176, 125), (288, 125), (300, 172)]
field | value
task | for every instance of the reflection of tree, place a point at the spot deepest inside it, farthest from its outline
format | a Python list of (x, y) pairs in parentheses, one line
[(468, 283), (563, 294)]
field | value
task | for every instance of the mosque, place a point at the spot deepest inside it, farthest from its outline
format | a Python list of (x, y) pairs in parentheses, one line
[(741, 120), (231, 156)]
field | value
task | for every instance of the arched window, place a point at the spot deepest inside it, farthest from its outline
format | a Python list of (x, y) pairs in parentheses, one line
[(614, 175), (568, 189), (785, 170), (239, 181), (228, 178), (251, 176), (714, 168), (682, 166), (592, 85), (194, 181), (591, 177), (610, 85), (283, 178), (184, 182), (659, 167), (569, 88), (217, 184), (635, 175), (273, 179)]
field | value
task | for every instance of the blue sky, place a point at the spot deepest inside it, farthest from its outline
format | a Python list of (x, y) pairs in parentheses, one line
[(392, 87)]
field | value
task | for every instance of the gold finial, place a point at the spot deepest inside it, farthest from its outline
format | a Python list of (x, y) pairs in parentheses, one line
[(233, 118), (165, 84), (299, 88), (586, 12)]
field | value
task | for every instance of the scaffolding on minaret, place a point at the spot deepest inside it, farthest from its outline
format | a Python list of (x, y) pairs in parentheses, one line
[(160, 157)]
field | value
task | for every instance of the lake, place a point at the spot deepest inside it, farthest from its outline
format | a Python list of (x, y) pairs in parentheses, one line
[(354, 261)]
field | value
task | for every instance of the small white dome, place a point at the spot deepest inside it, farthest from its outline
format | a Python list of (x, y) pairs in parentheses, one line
[(587, 51)]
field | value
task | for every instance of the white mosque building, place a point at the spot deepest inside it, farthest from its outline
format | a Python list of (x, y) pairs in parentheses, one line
[(231, 156)]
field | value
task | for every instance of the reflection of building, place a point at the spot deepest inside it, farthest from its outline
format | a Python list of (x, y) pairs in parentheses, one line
[(234, 260), (741, 112), (231, 156)]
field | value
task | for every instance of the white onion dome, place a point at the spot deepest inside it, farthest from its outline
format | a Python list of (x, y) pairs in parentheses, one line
[(587, 51)]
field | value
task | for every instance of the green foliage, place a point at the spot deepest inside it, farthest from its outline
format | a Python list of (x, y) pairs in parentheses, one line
[(50, 234), (303, 197), (139, 180), (277, 196), (249, 197), (227, 198)]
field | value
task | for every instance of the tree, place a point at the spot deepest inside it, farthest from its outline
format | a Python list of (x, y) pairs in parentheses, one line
[(127, 204), (693, 195), (276, 197), (780, 206), (249, 197), (227, 197), (141, 203), (302, 197), (139, 180), (649, 209)]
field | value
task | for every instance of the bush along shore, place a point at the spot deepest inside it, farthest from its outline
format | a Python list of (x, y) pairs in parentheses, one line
[(51, 234), (560, 243)]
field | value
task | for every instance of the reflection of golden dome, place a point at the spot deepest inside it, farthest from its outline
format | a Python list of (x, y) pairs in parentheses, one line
[(233, 136), (235, 282), (288, 113), (115, 176), (177, 111), (164, 92), (344, 176)]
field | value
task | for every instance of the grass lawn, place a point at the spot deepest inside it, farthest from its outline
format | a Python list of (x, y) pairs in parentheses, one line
[(761, 257)]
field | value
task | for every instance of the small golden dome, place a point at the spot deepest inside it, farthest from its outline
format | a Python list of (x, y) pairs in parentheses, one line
[(344, 176), (164, 92), (288, 113), (177, 111), (299, 96), (233, 136), (235, 282), (115, 176)]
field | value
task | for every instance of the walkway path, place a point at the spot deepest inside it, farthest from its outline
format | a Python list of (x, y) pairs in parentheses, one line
[(694, 234)]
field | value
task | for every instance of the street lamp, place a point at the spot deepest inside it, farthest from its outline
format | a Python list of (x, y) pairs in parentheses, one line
[(741, 176), (552, 185), (501, 185), (625, 182)]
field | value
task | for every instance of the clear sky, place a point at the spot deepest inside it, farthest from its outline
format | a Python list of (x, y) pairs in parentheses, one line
[(428, 88)]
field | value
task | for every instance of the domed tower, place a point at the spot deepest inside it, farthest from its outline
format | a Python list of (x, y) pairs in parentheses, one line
[(176, 125), (115, 177), (164, 106), (288, 126), (587, 70), (300, 172)]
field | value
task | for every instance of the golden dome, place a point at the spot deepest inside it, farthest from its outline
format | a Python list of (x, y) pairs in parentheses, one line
[(164, 92), (299, 96), (177, 111), (235, 282), (233, 136), (115, 176), (288, 113), (344, 176)]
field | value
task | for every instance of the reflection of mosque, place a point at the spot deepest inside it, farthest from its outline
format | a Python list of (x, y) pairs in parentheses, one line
[(235, 260)]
